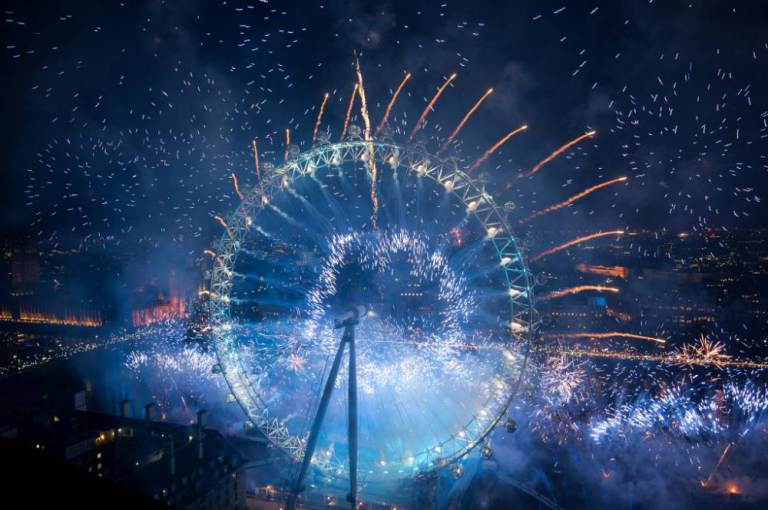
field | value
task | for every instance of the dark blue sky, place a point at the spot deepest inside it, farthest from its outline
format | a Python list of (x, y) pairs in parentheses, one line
[(120, 119)]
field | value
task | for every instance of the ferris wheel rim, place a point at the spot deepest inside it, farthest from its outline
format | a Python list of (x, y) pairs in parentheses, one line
[(445, 172)]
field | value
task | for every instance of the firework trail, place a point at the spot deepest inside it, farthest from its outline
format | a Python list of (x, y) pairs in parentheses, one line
[(556, 154), (464, 121), (575, 290), (613, 334), (392, 103), (705, 483), (237, 186), (672, 359), (319, 118), (573, 199), (223, 224), (496, 146), (371, 156), (363, 102), (349, 109), (567, 245), (420, 123), (258, 167), (287, 142), (612, 271)]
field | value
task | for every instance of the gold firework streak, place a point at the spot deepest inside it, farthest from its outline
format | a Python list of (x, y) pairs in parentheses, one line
[(223, 224), (599, 336), (576, 241), (496, 146), (319, 118), (349, 110), (392, 101), (464, 121), (420, 123), (660, 358), (575, 290), (705, 483), (368, 138), (557, 153), (287, 142), (256, 158), (258, 168), (237, 186), (573, 199)]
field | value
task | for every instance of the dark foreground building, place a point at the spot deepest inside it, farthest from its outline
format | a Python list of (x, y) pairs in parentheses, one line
[(155, 463)]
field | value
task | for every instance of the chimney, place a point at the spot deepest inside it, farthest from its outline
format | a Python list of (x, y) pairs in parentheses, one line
[(172, 457), (125, 404), (148, 411), (199, 434)]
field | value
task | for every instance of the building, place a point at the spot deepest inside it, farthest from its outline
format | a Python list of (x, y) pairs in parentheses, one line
[(186, 467)]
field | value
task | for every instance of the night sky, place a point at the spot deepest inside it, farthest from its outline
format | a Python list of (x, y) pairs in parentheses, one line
[(176, 93), (124, 122)]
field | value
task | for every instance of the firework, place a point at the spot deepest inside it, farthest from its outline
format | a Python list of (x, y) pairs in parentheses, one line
[(556, 153), (392, 101), (576, 241), (599, 336), (611, 271), (575, 290), (236, 186), (349, 109), (461, 124), (495, 147), (706, 352), (732, 409), (371, 159), (430, 105), (671, 359), (287, 143), (319, 118), (573, 199)]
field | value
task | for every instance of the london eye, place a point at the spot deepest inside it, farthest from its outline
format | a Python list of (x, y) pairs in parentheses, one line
[(424, 250)]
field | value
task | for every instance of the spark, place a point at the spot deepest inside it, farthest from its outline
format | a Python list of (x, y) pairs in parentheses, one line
[(556, 154), (573, 199), (392, 103), (423, 117), (349, 110), (319, 118), (706, 352), (495, 147), (464, 121), (575, 290), (560, 379), (576, 241), (675, 410), (237, 186), (612, 334)]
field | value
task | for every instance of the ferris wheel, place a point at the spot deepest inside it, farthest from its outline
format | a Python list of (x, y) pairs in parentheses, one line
[(399, 258)]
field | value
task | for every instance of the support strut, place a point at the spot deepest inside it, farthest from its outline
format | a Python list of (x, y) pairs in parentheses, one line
[(348, 321)]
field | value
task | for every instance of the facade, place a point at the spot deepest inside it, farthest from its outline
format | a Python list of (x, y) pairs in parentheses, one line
[(186, 467)]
